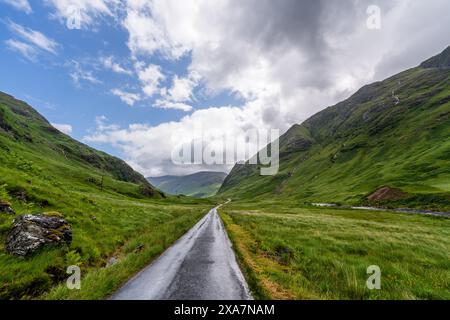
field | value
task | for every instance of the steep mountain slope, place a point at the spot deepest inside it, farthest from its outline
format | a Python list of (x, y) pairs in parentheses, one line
[(20, 123), (392, 133), (200, 184)]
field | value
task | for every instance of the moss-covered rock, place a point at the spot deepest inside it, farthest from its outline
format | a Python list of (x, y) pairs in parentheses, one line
[(31, 232)]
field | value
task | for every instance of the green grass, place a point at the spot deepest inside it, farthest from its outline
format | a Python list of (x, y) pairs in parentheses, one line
[(109, 222), (120, 227), (289, 252), (105, 223), (165, 225)]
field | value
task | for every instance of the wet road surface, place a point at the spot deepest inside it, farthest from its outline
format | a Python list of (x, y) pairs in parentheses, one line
[(200, 265)]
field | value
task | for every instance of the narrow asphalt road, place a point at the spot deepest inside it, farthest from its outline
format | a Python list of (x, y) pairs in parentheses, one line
[(201, 265)]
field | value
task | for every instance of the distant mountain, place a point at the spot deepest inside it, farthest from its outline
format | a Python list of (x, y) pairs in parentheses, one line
[(200, 184), (393, 134), (32, 150)]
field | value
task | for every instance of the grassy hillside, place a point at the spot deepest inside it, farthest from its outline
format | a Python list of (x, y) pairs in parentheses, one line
[(22, 127), (392, 133), (113, 210), (289, 252), (199, 185)]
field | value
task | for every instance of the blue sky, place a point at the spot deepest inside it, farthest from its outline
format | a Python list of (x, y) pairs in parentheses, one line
[(137, 78), (45, 81)]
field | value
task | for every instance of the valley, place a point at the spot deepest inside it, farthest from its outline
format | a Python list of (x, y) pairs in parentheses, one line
[(375, 149), (201, 184)]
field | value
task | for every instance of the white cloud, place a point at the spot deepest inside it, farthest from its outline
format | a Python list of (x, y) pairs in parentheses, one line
[(310, 47), (22, 5), (87, 11), (230, 54), (34, 37), (79, 74), (101, 126), (127, 97), (181, 89), (286, 60), (147, 35), (150, 78), (177, 96), (25, 49), (110, 64), (65, 128), (165, 104), (149, 148)]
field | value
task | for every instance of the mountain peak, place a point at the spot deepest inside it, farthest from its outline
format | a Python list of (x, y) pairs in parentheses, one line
[(440, 61)]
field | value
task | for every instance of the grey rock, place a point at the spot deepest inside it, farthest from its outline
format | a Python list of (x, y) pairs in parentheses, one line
[(31, 232), (111, 262)]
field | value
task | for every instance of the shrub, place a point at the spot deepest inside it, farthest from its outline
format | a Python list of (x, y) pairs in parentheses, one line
[(73, 258)]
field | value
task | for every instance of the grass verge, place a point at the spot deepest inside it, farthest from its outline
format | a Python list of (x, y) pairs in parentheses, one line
[(324, 253)]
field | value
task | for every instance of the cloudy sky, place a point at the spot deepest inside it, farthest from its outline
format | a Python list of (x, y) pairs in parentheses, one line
[(136, 77)]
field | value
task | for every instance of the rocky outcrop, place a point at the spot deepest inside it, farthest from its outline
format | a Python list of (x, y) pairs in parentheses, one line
[(441, 61), (5, 207), (31, 232)]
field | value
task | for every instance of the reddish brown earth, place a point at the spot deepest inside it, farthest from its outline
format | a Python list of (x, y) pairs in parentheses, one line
[(387, 193)]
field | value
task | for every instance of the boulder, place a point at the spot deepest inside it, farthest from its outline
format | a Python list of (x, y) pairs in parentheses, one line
[(31, 232), (5, 207), (112, 261)]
